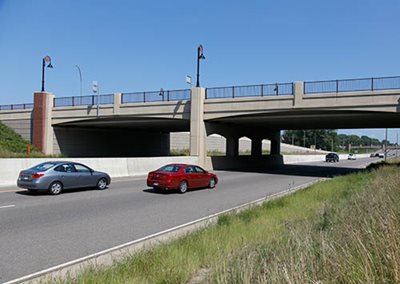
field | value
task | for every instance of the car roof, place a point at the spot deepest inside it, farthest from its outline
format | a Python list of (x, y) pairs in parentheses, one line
[(182, 165)]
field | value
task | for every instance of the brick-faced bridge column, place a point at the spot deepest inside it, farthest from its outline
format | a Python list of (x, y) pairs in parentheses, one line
[(42, 129), (198, 134)]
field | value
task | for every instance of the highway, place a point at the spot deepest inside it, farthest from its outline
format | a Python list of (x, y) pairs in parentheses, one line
[(42, 231)]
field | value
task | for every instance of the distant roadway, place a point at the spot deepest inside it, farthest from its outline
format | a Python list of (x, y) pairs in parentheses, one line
[(42, 231)]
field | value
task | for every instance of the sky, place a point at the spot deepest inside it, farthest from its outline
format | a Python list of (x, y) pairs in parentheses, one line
[(132, 46)]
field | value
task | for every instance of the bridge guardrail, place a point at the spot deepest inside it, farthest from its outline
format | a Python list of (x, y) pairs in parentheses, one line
[(156, 96), (83, 100), (16, 106), (278, 89), (352, 85)]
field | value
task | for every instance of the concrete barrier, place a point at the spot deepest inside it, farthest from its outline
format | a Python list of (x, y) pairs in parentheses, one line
[(126, 167), (115, 167), (293, 159)]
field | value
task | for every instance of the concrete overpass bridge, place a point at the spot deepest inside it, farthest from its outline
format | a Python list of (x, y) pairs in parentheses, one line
[(138, 124)]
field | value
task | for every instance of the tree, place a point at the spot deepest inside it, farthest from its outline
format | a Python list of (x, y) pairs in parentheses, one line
[(321, 138)]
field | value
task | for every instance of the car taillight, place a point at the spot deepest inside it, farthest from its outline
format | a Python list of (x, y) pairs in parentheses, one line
[(37, 175)]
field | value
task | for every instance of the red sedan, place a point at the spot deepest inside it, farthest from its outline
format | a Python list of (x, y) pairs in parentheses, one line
[(181, 177)]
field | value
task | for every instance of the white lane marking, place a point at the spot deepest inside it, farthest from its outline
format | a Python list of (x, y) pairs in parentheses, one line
[(152, 236), (7, 206)]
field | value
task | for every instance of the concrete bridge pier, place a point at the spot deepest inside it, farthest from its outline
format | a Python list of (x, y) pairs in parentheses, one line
[(232, 146), (276, 159), (198, 133), (256, 146), (42, 133)]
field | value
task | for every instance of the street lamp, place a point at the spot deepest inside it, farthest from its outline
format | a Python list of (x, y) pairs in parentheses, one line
[(200, 55), (45, 60), (80, 78)]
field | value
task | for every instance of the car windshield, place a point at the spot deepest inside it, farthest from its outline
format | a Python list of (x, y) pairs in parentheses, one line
[(170, 168), (43, 166)]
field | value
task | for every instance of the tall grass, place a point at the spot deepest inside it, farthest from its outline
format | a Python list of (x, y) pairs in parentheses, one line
[(351, 240), (343, 230)]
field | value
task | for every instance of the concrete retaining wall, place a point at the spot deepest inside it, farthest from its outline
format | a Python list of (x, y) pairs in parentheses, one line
[(115, 167), (215, 142)]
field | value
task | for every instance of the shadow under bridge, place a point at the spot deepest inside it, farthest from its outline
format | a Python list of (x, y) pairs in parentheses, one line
[(117, 136)]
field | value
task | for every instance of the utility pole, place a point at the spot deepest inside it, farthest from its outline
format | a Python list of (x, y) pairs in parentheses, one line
[(386, 143)]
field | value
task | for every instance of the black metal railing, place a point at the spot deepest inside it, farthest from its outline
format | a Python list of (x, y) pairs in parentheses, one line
[(352, 85), (278, 89), (84, 100), (156, 96), (16, 106)]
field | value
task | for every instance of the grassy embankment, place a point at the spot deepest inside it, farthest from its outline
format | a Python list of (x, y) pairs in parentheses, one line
[(345, 230), (12, 145)]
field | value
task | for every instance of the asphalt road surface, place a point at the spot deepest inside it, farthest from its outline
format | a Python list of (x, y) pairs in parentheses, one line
[(42, 231)]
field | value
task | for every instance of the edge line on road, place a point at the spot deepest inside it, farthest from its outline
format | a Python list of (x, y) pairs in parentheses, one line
[(7, 206)]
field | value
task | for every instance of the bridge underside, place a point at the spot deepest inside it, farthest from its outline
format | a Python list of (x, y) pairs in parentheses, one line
[(116, 137), (321, 119)]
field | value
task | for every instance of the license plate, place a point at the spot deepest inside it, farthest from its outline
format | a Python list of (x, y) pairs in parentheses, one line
[(155, 183), (25, 178)]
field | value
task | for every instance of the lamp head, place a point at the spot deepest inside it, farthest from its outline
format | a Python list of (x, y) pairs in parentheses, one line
[(50, 66)]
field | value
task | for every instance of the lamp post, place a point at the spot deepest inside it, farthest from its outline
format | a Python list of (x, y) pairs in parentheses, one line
[(386, 133), (80, 80), (199, 56), (45, 60)]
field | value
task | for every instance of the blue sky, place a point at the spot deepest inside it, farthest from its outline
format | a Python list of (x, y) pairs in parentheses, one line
[(130, 46)]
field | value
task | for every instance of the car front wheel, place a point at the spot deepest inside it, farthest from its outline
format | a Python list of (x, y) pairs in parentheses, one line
[(183, 186), (55, 188), (102, 184)]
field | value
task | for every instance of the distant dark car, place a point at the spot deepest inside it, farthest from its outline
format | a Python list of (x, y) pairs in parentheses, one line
[(56, 176), (181, 177), (377, 155), (332, 157)]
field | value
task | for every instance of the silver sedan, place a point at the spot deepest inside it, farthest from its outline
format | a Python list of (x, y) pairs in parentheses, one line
[(56, 176)]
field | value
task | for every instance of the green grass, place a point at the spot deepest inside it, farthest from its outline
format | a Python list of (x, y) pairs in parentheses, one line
[(344, 230), (12, 145)]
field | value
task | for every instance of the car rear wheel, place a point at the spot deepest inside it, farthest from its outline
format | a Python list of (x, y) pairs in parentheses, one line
[(55, 188), (102, 184), (183, 186), (211, 184)]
